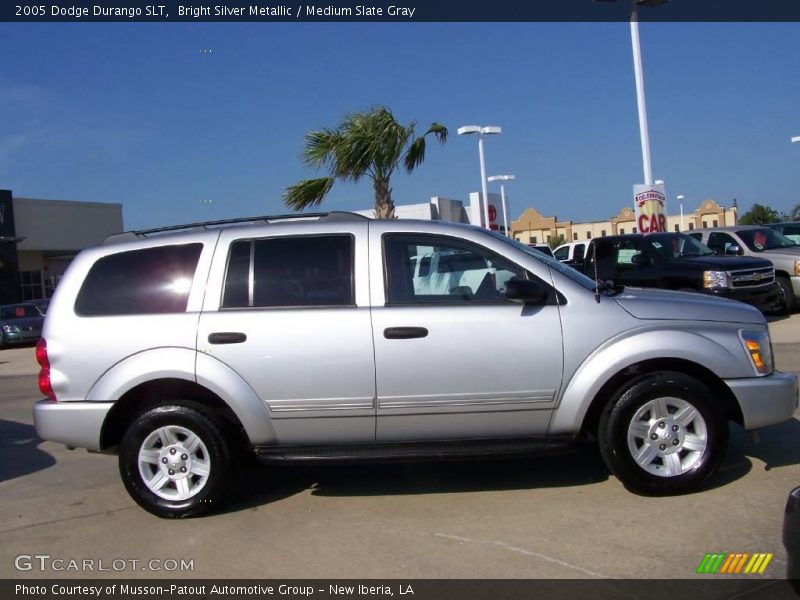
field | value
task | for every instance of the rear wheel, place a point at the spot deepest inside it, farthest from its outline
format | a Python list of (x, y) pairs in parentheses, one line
[(663, 434), (175, 461)]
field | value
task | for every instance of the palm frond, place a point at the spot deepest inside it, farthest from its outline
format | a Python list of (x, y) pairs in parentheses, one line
[(307, 193), (416, 150), (320, 147)]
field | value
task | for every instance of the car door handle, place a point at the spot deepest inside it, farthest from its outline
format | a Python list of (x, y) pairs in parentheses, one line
[(404, 333), (226, 337)]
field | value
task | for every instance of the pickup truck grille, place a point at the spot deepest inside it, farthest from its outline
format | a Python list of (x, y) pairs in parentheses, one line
[(752, 277)]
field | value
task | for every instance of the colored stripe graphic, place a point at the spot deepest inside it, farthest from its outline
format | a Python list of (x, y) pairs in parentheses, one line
[(724, 563)]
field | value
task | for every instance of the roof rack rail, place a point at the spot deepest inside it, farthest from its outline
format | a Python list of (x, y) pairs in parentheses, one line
[(322, 216)]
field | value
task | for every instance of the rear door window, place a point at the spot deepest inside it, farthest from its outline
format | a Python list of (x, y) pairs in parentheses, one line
[(297, 271)]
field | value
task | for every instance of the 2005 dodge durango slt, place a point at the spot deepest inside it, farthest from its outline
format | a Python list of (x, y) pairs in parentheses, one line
[(333, 336)]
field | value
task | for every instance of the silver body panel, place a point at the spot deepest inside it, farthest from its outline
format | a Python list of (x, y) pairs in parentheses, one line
[(328, 375)]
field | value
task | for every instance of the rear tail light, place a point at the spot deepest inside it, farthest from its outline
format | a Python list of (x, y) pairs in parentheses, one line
[(45, 386)]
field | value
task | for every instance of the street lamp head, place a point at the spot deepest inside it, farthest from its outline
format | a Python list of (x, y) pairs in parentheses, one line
[(500, 178), (679, 197), (467, 129), (796, 139)]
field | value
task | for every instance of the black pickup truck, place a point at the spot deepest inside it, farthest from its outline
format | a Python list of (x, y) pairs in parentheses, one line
[(676, 261)]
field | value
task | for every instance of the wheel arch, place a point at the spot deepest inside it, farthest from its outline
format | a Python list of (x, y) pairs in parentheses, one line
[(159, 392), (629, 374)]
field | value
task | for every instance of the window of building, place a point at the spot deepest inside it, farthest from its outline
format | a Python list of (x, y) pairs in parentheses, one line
[(461, 272), (574, 237), (634, 230), (602, 233), (622, 230), (677, 228), (297, 271), (588, 235), (150, 281), (691, 226), (705, 223), (715, 223), (533, 239), (31, 282)]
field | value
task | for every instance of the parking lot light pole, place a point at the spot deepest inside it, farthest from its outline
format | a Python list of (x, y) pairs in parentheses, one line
[(679, 198), (502, 179), (481, 131)]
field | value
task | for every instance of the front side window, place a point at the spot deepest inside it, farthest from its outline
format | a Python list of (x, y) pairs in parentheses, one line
[(562, 253), (458, 271), (149, 281), (299, 271), (720, 242)]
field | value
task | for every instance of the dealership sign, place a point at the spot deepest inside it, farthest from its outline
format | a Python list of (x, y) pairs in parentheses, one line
[(651, 203)]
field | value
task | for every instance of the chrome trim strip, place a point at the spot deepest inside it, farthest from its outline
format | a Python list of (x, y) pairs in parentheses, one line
[(439, 400)]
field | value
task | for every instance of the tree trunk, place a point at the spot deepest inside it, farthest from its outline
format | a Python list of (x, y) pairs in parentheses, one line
[(384, 207)]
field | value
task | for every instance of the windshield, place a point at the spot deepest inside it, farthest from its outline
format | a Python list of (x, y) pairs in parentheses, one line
[(764, 238), (677, 245), (551, 262)]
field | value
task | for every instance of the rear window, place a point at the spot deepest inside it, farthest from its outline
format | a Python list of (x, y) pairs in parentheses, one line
[(139, 282)]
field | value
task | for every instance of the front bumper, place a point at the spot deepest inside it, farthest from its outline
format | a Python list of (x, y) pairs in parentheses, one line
[(22, 337), (766, 400), (795, 286), (72, 423), (764, 298)]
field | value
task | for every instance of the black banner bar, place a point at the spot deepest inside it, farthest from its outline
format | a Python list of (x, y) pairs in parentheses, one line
[(712, 588), (403, 11)]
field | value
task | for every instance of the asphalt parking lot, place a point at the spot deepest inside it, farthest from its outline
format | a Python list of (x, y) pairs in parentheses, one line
[(546, 517)]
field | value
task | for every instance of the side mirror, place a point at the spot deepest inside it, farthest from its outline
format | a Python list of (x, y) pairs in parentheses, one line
[(641, 260), (528, 291), (733, 249)]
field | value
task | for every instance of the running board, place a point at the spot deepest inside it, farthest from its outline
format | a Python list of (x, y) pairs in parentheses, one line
[(388, 451)]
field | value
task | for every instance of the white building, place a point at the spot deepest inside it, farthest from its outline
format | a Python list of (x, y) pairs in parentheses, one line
[(39, 238)]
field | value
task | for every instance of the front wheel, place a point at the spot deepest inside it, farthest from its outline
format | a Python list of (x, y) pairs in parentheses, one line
[(786, 304), (175, 461), (663, 434)]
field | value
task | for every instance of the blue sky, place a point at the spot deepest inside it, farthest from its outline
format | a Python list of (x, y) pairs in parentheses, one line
[(139, 114)]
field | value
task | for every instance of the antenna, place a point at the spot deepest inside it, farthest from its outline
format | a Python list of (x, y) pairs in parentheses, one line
[(593, 248)]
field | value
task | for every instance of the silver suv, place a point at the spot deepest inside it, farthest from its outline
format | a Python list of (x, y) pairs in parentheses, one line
[(335, 336)]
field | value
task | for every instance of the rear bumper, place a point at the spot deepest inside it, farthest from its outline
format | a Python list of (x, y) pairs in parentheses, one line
[(766, 400), (71, 423)]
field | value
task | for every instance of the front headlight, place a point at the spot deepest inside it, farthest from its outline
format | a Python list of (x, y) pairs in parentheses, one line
[(10, 328), (716, 279), (759, 349)]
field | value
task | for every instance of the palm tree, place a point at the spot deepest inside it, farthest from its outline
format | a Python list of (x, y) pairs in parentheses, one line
[(370, 145)]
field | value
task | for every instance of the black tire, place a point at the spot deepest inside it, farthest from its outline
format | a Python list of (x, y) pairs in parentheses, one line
[(787, 303), (619, 439), (204, 492)]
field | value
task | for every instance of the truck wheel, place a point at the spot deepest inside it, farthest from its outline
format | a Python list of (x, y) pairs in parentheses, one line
[(786, 304), (175, 461), (663, 434)]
